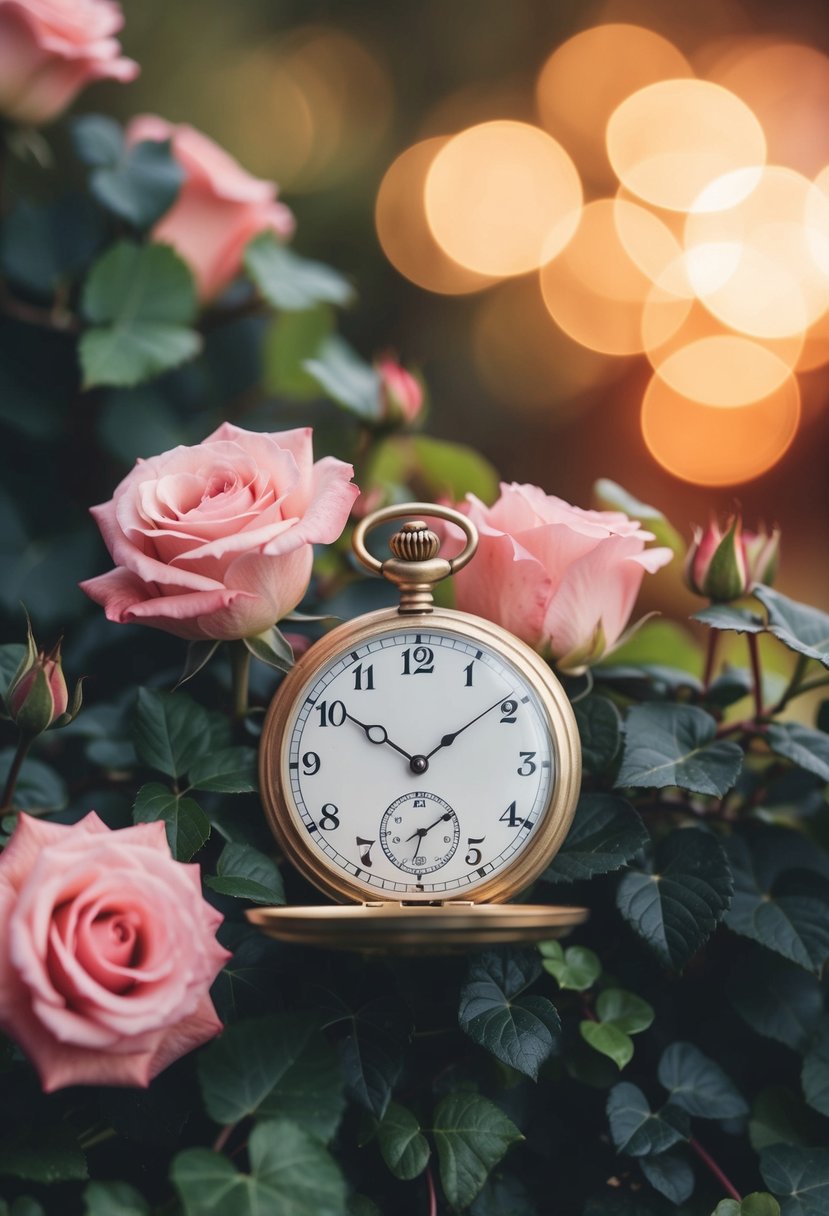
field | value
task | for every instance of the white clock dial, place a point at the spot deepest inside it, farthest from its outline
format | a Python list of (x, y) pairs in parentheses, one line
[(418, 763)]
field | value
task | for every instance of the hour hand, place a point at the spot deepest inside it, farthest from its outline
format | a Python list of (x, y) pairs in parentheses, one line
[(375, 733)]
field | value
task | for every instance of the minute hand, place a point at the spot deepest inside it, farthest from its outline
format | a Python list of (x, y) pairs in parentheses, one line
[(447, 740)]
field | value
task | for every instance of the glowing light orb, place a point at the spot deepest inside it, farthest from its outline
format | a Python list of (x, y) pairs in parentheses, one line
[(724, 370)]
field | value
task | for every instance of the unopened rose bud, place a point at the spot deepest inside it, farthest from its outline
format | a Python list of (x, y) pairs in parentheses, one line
[(725, 564), (401, 393), (38, 697)]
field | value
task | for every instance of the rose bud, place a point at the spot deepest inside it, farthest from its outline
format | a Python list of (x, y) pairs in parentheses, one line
[(762, 553), (37, 697), (401, 393), (724, 565)]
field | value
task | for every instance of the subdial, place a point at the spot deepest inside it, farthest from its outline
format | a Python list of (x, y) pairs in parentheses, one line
[(419, 832)]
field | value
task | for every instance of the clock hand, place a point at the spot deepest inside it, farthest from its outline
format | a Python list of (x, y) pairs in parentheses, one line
[(375, 733), (421, 832), (449, 739)]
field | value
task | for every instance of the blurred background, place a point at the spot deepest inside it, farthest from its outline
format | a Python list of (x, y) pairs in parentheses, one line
[(547, 363)]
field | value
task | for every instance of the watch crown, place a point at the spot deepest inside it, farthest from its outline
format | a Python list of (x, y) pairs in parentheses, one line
[(415, 542)]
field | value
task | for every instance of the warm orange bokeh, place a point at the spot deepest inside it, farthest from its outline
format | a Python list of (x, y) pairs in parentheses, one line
[(715, 446), (724, 370), (669, 140), (586, 78), (700, 324), (502, 198)]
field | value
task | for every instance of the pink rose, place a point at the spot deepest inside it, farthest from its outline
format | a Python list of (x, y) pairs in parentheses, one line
[(215, 541), (563, 579), (107, 952), (401, 394), (219, 209), (51, 49)]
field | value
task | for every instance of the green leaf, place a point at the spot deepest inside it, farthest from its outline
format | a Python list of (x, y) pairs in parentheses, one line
[(346, 378), (625, 1010), (12, 655), (271, 648), (782, 1117), (291, 1175), (232, 770), (290, 282), (245, 873), (616, 498), (142, 299), (97, 139), (170, 731), (782, 908), (670, 1174), (800, 627), (759, 1203), (503, 1195), (677, 906), (141, 185), (802, 745), (372, 1053), (776, 998), (799, 1177), (606, 833), (726, 616), (199, 654), (608, 1039), (600, 731), (471, 1134), (186, 823), (51, 1155), (137, 423), (636, 1129), (403, 1146), (675, 745), (114, 1199), (698, 1084), (39, 788), (815, 1074), (520, 1030), (275, 1066), (576, 968), (294, 338)]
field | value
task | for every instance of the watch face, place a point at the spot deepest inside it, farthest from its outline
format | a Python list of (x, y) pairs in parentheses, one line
[(419, 764)]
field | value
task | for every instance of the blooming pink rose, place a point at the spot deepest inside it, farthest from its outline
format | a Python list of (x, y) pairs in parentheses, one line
[(219, 209), (51, 49), (401, 394), (107, 952), (561, 578), (215, 541)]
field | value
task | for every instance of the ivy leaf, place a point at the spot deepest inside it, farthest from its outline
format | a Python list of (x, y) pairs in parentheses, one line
[(782, 908), (776, 998), (799, 626), (290, 282), (520, 1030), (231, 770), (670, 1174), (606, 833), (698, 1084), (114, 1199), (815, 1074), (608, 1039), (141, 300), (170, 731), (403, 1146), (576, 968), (759, 1203), (802, 745), (291, 1173), (245, 873), (97, 139), (780, 1116), (625, 1010), (636, 1129), (140, 184), (726, 616), (186, 824), (275, 1066), (799, 1176), (676, 908), (503, 1195), (471, 1134), (600, 731), (674, 745), (372, 1052), (52, 1155)]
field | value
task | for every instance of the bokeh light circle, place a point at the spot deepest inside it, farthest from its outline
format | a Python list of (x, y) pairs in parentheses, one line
[(502, 198), (712, 446), (725, 370), (667, 141)]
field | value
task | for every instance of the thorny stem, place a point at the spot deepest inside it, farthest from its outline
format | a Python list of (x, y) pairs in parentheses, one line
[(14, 772), (710, 1164), (430, 1185), (756, 674), (710, 658), (240, 674)]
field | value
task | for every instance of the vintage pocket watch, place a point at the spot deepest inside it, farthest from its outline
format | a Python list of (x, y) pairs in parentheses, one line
[(419, 765)]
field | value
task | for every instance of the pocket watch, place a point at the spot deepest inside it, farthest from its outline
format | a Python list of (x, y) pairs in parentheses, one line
[(419, 765)]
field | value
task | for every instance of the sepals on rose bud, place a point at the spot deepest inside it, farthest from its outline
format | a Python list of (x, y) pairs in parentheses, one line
[(724, 565), (38, 697), (401, 393), (762, 553)]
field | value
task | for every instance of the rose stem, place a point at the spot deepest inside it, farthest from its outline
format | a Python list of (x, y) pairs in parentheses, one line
[(223, 1137), (14, 772), (711, 1164), (710, 658), (240, 672), (756, 674), (433, 1199)]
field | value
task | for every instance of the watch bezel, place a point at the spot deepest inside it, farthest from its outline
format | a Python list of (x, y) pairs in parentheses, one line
[(275, 786)]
